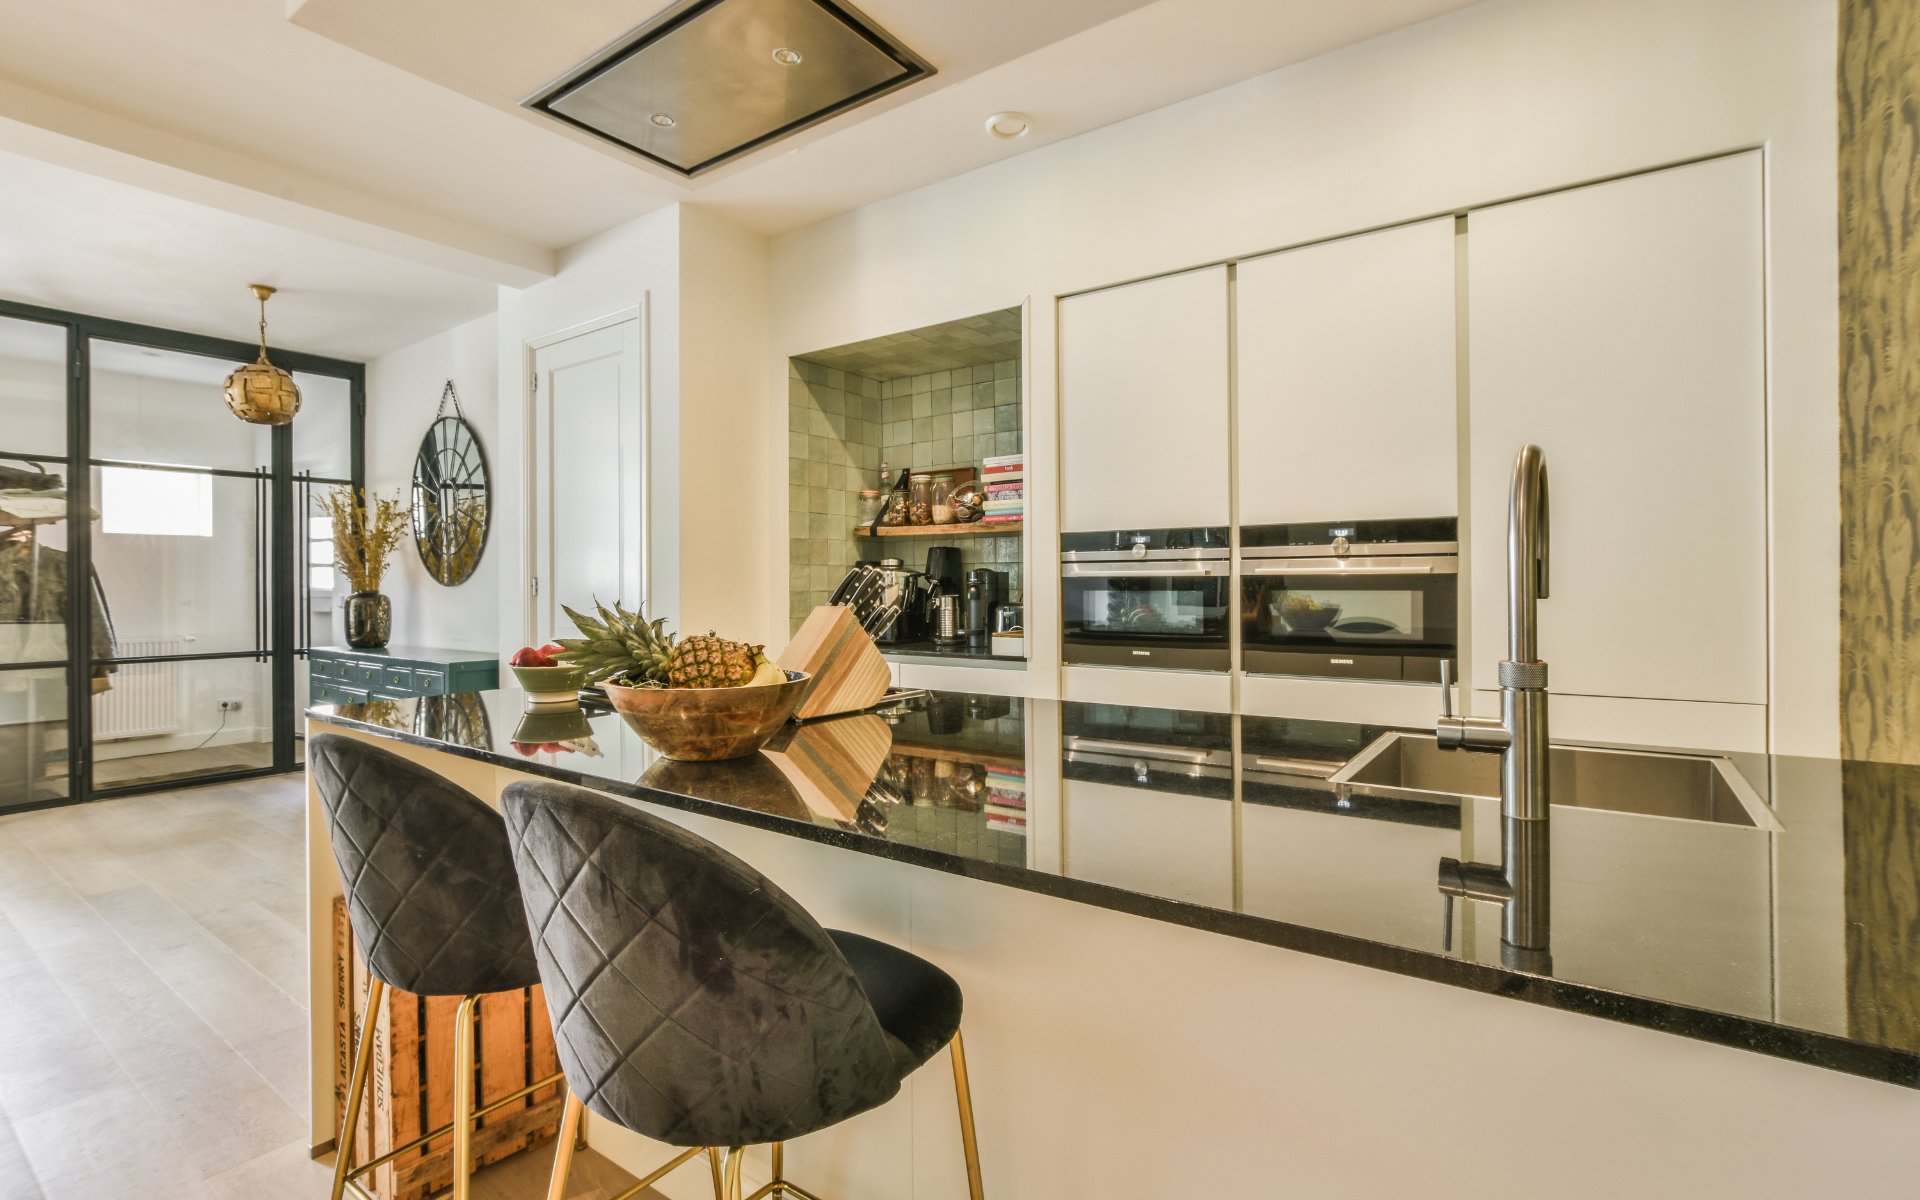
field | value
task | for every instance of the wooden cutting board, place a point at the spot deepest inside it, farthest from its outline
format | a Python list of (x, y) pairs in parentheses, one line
[(848, 673)]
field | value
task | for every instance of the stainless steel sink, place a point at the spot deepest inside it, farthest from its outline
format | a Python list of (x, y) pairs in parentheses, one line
[(1691, 787)]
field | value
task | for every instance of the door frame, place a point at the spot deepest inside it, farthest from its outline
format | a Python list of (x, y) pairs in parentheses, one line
[(530, 522), (282, 573)]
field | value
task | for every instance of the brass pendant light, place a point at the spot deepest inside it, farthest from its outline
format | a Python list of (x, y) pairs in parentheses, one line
[(261, 393)]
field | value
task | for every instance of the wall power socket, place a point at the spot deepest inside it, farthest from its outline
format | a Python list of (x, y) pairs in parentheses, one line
[(231, 705)]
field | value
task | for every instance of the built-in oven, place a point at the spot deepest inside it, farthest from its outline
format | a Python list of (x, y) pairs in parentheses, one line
[(1147, 598), (1350, 599)]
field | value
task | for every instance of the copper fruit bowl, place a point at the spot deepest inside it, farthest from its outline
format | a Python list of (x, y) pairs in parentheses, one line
[(705, 724)]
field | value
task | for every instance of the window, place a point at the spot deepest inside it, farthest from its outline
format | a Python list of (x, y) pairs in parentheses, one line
[(319, 554), (159, 503)]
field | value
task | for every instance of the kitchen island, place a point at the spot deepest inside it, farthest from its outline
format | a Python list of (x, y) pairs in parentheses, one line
[(1179, 930)]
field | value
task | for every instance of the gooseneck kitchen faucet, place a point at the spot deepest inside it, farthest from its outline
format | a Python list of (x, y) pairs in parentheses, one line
[(1519, 736)]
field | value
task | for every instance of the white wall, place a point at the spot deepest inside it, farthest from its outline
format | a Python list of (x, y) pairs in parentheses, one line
[(403, 393), (1506, 98)]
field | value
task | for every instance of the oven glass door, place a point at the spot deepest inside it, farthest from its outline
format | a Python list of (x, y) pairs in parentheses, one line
[(1121, 618), (1370, 624)]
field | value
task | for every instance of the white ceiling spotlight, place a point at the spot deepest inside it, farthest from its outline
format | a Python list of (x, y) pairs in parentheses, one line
[(787, 56), (1009, 125), (663, 120)]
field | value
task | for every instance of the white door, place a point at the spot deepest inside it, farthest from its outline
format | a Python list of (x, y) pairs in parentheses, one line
[(1621, 327), (589, 504), (1143, 398), (1347, 382)]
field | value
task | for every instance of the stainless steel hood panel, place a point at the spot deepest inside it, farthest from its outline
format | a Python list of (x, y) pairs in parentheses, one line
[(701, 85)]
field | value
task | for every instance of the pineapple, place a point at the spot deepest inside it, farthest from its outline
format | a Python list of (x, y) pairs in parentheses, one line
[(621, 646), (713, 662)]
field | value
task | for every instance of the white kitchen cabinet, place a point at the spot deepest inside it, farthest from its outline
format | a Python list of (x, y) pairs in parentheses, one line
[(1347, 379), (1621, 327), (1143, 400)]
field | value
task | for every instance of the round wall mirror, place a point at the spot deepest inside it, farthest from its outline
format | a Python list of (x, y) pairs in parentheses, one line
[(451, 509)]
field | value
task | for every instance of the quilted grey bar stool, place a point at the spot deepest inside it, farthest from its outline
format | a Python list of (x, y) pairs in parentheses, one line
[(696, 1003), (436, 909)]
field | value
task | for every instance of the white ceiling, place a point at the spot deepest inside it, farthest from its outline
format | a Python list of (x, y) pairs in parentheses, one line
[(85, 244), (372, 155)]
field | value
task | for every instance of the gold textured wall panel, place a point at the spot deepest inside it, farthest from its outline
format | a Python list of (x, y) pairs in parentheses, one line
[(1879, 104), (1879, 93)]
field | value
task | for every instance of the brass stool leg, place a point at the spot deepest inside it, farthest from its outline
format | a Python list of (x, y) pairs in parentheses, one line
[(563, 1148), (719, 1186), (964, 1093), (779, 1170), (735, 1154), (463, 1097), (362, 1060)]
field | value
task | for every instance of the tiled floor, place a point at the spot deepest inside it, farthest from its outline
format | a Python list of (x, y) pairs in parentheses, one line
[(152, 1003)]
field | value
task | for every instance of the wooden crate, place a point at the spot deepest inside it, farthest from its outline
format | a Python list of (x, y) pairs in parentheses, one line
[(410, 1083)]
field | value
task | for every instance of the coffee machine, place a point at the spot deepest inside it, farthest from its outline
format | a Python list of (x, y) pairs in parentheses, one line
[(983, 592)]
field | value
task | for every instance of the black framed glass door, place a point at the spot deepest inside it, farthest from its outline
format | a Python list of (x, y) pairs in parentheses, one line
[(175, 536)]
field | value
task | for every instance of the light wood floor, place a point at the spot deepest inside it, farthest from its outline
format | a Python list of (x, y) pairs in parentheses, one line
[(152, 1004)]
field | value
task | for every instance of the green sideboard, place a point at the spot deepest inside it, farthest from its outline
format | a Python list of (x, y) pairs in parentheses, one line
[(339, 675)]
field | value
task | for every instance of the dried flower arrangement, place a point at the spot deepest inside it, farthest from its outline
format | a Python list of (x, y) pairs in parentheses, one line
[(364, 539)]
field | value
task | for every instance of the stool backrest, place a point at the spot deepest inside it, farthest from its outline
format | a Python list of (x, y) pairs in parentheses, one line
[(428, 873), (692, 1000)]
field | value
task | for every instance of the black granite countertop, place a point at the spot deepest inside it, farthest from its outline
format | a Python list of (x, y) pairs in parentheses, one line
[(1765, 903), (959, 654)]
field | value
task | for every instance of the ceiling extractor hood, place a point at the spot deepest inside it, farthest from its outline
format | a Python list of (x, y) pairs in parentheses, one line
[(707, 81)]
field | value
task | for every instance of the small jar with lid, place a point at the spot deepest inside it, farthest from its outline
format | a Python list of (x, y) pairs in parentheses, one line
[(869, 506), (921, 503), (943, 499)]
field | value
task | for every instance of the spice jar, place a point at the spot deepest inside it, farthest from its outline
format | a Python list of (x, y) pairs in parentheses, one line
[(869, 506), (897, 512), (921, 505), (943, 499)]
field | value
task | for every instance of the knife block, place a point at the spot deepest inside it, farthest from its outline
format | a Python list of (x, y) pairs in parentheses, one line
[(848, 673), (831, 765)]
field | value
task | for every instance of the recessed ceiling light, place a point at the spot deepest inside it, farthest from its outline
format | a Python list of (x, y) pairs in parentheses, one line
[(1009, 125), (663, 120), (787, 56)]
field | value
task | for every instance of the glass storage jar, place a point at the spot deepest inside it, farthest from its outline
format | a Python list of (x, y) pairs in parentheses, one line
[(896, 509), (869, 506), (943, 499), (922, 500)]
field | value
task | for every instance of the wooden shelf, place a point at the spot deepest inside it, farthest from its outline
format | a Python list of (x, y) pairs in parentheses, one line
[(974, 529)]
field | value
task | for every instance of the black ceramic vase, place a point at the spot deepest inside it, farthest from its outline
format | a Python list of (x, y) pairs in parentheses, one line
[(369, 620)]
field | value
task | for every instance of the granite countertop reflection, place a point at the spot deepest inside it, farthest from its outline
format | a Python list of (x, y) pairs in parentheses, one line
[(1776, 918)]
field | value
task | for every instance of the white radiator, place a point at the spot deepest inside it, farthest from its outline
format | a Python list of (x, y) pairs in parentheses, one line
[(145, 700)]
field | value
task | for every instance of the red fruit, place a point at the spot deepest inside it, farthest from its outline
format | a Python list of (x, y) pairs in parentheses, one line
[(556, 748), (528, 749), (550, 650), (527, 656)]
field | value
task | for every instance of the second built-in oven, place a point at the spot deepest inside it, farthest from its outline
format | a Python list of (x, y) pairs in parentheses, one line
[(1147, 598), (1350, 599)]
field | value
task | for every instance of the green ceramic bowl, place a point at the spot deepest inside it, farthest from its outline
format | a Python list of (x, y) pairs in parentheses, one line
[(549, 685)]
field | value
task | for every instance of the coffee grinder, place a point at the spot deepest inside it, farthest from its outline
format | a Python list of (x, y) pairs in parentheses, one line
[(983, 592)]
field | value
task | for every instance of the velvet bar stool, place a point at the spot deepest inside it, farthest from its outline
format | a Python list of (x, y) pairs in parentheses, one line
[(696, 1003), (436, 909)]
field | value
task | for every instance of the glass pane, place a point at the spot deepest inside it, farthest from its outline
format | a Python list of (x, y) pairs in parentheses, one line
[(154, 722), (33, 563), (318, 623), (33, 388), (165, 406), (323, 432), (176, 557), (33, 736)]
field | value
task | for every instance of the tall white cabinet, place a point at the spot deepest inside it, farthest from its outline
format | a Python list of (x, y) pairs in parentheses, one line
[(1621, 327), (1143, 400), (1347, 379)]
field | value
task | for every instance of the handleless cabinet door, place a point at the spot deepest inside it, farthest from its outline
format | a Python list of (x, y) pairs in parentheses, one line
[(1621, 327), (1143, 397), (1347, 380)]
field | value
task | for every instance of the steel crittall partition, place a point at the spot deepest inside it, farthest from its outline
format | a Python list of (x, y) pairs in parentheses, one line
[(268, 493)]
